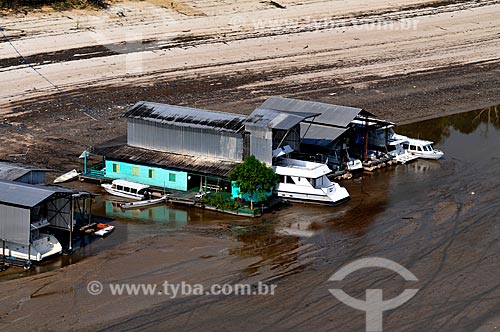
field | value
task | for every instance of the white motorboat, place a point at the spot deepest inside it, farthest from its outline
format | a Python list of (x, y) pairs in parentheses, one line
[(41, 246), (67, 176), (420, 148), (307, 182), (142, 204), (127, 189)]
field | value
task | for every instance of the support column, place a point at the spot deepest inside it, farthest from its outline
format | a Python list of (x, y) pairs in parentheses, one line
[(72, 217), (366, 141)]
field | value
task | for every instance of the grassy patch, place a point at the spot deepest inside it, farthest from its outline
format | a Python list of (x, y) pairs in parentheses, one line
[(56, 4)]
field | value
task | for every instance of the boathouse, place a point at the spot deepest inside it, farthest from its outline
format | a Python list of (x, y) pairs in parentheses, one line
[(334, 124), (182, 148), (25, 208), (271, 129)]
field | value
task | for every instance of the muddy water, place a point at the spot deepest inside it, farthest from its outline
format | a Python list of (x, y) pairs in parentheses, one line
[(440, 219)]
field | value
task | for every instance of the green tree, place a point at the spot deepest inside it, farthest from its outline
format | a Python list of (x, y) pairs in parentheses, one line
[(253, 177)]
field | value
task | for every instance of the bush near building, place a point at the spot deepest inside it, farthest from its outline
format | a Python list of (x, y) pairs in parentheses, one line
[(254, 178)]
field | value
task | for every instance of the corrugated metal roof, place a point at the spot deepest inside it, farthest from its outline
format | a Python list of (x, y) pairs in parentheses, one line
[(13, 171), (194, 164), (330, 114), (26, 195), (186, 117), (277, 119), (320, 135)]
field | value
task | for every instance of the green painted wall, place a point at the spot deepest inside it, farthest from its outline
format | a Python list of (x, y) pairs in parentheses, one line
[(235, 193), (162, 178)]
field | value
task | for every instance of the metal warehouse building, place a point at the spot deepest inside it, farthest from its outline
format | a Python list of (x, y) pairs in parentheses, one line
[(185, 130)]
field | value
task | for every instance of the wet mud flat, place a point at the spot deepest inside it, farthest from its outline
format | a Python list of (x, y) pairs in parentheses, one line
[(439, 219)]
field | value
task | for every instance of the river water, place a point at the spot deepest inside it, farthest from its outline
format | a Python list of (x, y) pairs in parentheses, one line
[(439, 219)]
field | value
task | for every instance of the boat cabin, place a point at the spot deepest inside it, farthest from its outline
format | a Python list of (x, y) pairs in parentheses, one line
[(422, 149), (127, 189)]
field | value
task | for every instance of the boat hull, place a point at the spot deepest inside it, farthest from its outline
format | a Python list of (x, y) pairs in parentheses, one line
[(67, 176), (104, 231), (43, 248), (143, 204), (320, 200), (432, 156), (334, 197)]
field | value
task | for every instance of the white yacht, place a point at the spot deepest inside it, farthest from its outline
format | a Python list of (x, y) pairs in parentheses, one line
[(421, 148), (127, 189), (307, 182), (41, 246)]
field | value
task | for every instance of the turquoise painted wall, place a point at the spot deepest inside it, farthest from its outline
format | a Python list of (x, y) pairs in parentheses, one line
[(235, 193), (161, 177)]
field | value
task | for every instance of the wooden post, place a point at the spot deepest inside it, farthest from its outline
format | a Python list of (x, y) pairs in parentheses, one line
[(29, 253), (90, 211)]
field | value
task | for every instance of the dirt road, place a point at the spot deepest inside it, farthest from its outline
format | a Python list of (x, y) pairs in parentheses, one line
[(402, 60)]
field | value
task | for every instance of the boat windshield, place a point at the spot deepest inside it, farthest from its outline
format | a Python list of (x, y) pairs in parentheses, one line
[(428, 147)]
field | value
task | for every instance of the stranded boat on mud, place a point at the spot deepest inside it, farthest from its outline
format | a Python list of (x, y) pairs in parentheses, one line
[(67, 176), (307, 182)]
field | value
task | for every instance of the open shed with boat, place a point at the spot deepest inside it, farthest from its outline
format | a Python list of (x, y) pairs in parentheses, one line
[(27, 213)]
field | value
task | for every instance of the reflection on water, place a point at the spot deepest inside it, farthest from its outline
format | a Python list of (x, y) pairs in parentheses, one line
[(439, 219), (438, 129), (160, 214), (411, 202)]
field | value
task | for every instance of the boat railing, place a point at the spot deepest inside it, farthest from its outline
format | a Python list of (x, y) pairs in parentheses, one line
[(96, 169)]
